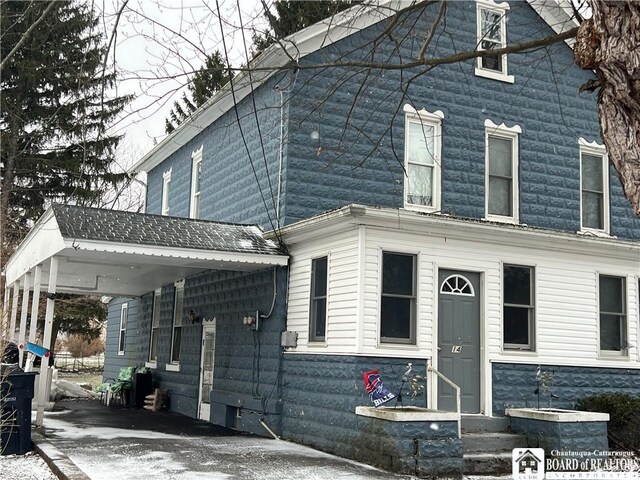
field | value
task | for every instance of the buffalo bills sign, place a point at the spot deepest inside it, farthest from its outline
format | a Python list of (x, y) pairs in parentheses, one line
[(377, 393)]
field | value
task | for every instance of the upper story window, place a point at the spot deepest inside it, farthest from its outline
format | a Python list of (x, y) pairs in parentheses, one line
[(124, 310), (613, 314), (176, 329), (398, 302), (491, 35), (155, 325), (318, 317), (518, 313), (423, 144), (594, 187), (501, 182), (196, 170), (166, 184)]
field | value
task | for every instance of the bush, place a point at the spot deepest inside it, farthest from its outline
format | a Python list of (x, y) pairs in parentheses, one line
[(624, 424)]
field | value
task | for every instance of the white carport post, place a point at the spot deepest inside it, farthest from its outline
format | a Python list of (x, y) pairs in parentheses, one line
[(14, 311), (35, 306), (26, 288), (43, 385), (5, 313)]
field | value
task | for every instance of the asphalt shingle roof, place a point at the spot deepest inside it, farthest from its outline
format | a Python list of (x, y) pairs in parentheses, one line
[(119, 226)]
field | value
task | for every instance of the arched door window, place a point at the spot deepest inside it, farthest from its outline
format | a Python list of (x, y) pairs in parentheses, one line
[(457, 285)]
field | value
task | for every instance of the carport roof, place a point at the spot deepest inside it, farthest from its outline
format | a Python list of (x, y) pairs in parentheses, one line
[(118, 253)]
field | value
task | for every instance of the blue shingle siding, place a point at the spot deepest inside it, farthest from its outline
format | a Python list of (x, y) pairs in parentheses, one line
[(514, 385), (229, 190), (332, 162), (112, 361), (321, 392)]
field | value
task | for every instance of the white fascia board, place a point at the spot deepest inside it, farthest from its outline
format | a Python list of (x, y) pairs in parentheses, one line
[(183, 253), (41, 243), (558, 14), (474, 231), (300, 44)]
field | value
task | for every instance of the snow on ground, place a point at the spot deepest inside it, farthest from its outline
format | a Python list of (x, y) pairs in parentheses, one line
[(24, 467)]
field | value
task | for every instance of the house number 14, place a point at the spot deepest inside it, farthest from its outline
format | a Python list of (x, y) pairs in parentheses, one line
[(456, 348)]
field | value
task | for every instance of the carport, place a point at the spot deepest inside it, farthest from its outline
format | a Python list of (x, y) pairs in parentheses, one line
[(90, 251)]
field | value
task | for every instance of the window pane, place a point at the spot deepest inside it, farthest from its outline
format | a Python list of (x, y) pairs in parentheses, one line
[(179, 301), (319, 267), (397, 274), (500, 196), (420, 185), (592, 210), (517, 285), (175, 353), (516, 325), (500, 156), (490, 62), (491, 25), (611, 294), (591, 173), (320, 318), (421, 143), (396, 317), (122, 340), (610, 332), (153, 355), (156, 310), (196, 179)]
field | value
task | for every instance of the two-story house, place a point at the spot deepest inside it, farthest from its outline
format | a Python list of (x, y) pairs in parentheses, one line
[(462, 216)]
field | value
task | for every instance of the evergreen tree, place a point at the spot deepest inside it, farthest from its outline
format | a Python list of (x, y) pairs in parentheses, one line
[(54, 112), (293, 15), (210, 78)]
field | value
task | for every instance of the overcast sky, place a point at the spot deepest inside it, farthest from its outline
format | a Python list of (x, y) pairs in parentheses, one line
[(159, 42)]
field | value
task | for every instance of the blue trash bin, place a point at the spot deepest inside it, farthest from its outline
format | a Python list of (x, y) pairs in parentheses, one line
[(16, 394)]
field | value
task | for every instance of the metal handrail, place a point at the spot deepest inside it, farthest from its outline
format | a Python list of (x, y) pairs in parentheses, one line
[(431, 369)]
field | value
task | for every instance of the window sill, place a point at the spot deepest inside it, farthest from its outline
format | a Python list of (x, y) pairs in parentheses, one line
[(420, 208), (613, 355), (592, 232), (153, 365), (172, 367), (397, 345), (317, 344), (493, 75), (501, 219), (519, 351), (120, 354)]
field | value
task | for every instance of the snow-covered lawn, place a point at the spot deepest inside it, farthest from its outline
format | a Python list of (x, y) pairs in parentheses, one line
[(25, 467)]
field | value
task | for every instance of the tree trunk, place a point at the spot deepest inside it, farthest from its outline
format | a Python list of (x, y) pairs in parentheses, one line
[(609, 44)]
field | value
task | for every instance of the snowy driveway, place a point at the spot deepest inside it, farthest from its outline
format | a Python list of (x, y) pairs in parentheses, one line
[(123, 452)]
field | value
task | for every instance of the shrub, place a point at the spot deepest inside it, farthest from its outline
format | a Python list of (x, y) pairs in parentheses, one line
[(624, 423)]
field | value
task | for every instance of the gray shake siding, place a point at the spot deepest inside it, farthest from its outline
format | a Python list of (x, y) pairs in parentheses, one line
[(112, 361)]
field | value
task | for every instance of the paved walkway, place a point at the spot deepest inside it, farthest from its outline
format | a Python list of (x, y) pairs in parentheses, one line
[(89, 440)]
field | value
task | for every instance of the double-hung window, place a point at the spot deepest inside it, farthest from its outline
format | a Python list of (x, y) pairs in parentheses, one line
[(196, 170), (613, 314), (594, 187), (155, 324), (176, 329), (518, 312), (423, 132), (122, 335), (492, 35), (501, 183), (398, 298), (318, 317), (166, 184)]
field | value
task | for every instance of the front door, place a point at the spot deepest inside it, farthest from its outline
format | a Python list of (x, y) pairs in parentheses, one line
[(206, 369), (459, 339)]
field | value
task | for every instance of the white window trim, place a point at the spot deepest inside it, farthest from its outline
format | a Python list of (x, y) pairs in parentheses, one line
[(513, 134), (310, 341), (166, 182), (196, 159), (623, 354), (433, 119), (124, 312), (179, 285), (597, 149), (514, 348), (502, 8), (152, 363)]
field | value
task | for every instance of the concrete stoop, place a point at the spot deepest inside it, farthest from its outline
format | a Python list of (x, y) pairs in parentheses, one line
[(487, 446)]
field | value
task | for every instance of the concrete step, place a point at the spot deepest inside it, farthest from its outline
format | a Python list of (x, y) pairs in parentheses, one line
[(487, 463), (480, 423), (491, 443)]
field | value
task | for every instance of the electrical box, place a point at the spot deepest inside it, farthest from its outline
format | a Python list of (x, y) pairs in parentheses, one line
[(289, 339)]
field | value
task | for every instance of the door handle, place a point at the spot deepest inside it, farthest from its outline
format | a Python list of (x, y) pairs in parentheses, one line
[(439, 349)]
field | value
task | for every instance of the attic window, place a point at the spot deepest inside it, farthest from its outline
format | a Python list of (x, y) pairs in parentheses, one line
[(492, 35), (166, 183)]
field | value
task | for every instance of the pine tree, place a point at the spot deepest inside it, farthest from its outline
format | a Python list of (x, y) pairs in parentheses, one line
[(210, 78), (55, 108), (293, 15)]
